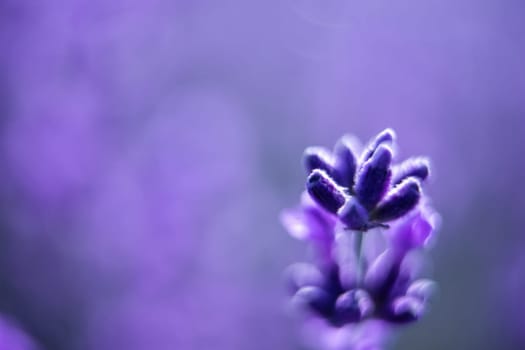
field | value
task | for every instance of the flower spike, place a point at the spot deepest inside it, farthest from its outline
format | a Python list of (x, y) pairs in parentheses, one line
[(364, 219)]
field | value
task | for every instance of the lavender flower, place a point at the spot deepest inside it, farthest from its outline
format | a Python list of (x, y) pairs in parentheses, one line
[(364, 194), (357, 278)]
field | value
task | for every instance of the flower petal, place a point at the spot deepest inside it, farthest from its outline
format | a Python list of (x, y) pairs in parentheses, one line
[(415, 230)]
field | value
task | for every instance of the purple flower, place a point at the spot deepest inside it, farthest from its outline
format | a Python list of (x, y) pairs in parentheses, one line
[(358, 278), (367, 193), (391, 289)]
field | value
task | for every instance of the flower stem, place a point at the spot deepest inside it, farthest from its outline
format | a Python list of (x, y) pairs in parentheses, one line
[(358, 244)]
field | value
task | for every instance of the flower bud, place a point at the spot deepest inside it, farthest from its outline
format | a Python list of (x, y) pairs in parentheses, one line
[(314, 299), (325, 191), (413, 167), (374, 178), (301, 275), (386, 136), (317, 158), (422, 289), (353, 215), (345, 161), (399, 202), (353, 306), (406, 309)]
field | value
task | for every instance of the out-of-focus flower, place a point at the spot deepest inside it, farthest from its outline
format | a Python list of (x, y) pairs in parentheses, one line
[(312, 223), (390, 288), (362, 277), (369, 335)]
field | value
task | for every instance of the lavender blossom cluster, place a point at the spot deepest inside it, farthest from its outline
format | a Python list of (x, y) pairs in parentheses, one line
[(369, 224)]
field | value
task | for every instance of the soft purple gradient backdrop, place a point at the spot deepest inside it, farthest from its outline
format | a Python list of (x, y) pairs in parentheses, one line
[(148, 146)]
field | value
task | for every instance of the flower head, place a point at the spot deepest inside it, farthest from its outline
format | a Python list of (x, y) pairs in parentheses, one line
[(364, 191), (359, 278)]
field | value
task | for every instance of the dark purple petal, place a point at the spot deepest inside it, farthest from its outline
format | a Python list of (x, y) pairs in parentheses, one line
[(386, 136), (317, 158), (422, 289), (399, 202), (314, 299), (353, 306), (413, 167), (374, 178), (354, 215), (325, 191), (406, 309), (345, 161)]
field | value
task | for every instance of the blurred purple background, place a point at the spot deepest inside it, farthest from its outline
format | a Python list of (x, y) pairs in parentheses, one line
[(147, 148)]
